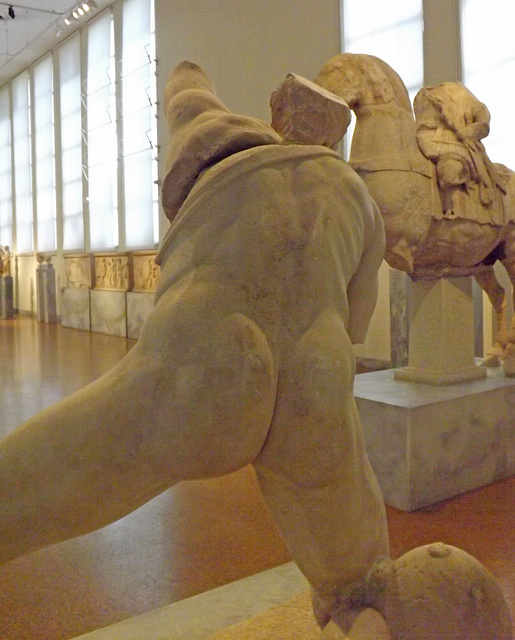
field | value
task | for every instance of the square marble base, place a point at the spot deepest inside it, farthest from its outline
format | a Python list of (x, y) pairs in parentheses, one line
[(75, 312), (109, 312), (428, 443), (6, 297), (139, 307)]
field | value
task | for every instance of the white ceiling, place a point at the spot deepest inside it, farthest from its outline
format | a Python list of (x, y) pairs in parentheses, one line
[(37, 28)]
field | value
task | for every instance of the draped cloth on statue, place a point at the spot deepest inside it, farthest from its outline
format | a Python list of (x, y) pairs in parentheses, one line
[(275, 214), (451, 122)]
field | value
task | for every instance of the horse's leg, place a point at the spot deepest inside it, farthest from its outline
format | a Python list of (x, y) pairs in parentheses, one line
[(194, 398), (488, 282), (509, 351), (315, 476)]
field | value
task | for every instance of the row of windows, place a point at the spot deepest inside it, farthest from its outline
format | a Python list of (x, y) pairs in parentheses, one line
[(78, 168)]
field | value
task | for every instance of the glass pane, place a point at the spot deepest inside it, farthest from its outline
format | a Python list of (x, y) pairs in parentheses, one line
[(488, 63), (139, 200), (44, 155), (22, 164), (71, 144), (6, 205)]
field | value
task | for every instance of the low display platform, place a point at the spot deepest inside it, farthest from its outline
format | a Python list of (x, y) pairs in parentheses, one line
[(427, 443)]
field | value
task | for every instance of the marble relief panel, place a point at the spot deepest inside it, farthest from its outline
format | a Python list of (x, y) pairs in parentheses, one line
[(79, 269), (113, 271), (146, 271)]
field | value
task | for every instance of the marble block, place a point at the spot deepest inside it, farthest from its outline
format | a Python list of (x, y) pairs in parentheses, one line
[(109, 312), (441, 333), (46, 294), (75, 310), (428, 443), (6, 297), (139, 307)]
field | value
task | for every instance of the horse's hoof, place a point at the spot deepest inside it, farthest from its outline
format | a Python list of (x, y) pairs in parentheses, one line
[(491, 361)]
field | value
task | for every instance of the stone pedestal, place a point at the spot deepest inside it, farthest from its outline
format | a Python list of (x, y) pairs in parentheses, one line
[(75, 311), (427, 443), (441, 333), (6, 297), (139, 307), (46, 298), (109, 312)]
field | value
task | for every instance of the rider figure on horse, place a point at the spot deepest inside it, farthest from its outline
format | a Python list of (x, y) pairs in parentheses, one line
[(451, 122)]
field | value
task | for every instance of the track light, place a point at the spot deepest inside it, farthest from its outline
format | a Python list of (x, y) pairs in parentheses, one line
[(11, 12), (80, 11)]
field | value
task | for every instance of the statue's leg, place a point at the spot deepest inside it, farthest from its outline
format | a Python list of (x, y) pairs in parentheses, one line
[(315, 475), (489, 284), (194, 398)]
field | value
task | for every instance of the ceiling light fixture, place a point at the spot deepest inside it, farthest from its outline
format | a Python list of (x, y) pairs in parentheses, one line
[(80, 11)]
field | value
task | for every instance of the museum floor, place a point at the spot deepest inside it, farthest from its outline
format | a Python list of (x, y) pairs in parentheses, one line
[(191, 539)]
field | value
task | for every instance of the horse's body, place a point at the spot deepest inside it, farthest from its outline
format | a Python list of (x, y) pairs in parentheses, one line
[(420, 239)]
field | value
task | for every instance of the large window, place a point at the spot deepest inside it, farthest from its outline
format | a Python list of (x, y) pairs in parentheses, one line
[(488, 54), (387, 30), (101, 135), (44, 160), (22, 163), (138, 124), (71, 144), (6, 209)]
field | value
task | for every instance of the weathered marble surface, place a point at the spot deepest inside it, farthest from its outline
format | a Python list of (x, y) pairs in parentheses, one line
[(399, 317), (146, 271), (109, 312), (139, 308), (80, 270), (441, 333), (268, 274), (427, 443), (113, 271), (6, 297), (448, 210), (75, 308), (46, 293)]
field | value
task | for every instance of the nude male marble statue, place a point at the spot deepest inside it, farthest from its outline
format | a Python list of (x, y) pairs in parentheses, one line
[(268, 274)]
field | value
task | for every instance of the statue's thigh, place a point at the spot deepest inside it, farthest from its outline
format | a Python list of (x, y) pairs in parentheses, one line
[(315, 432), (215, 387)]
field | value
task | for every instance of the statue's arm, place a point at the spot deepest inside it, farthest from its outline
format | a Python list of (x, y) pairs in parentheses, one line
[(363, 287)]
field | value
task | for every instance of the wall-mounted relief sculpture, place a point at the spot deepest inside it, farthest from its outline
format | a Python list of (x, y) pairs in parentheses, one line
[(146, 271), (80, 270), (113, 271), (448, 210)]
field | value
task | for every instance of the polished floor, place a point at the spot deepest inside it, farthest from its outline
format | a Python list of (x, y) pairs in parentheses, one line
[(190, 539)]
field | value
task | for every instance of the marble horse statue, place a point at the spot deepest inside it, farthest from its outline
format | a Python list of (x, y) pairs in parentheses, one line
[(447, 210), (268, 275)]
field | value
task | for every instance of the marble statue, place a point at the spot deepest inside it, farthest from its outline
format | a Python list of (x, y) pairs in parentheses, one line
[(448, 210), (268, 275), (5, 260), (436, 591), (42, 257)]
